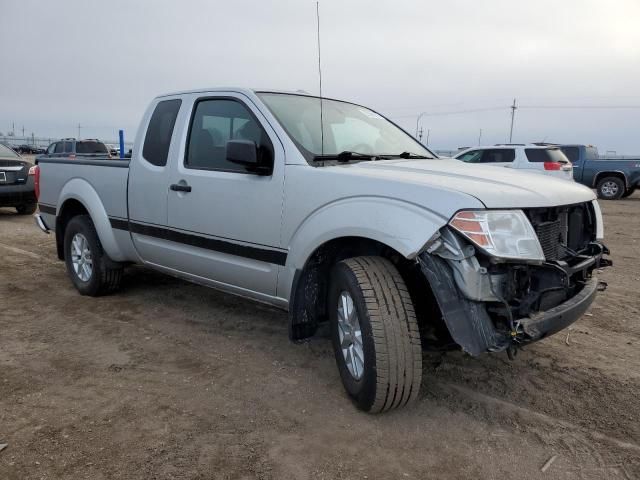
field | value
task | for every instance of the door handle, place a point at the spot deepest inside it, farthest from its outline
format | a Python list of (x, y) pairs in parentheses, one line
[(176, 187)]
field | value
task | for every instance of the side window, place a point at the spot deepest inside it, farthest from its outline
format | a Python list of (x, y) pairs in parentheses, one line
[(572, 153), (160, 131), (499, 155), (217, 121), (474, 156), (57, 147), (68, 147)]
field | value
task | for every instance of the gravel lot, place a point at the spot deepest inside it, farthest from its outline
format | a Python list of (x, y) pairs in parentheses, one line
[(170, 380)]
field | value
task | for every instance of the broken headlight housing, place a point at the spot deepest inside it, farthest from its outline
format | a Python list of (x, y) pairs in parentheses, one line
[(505, 234)]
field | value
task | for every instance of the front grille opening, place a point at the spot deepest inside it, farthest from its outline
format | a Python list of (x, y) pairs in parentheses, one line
[(550, 239), (563, 231)]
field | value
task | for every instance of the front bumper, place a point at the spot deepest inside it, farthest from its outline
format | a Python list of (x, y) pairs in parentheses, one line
[(543, 324), (475, 330)]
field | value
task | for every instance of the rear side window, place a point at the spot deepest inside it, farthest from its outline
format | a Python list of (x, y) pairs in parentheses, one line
[(68, 147), (91, 147), (499, 155), (474, 156), (572, 153), (159, 132), (540, 155)]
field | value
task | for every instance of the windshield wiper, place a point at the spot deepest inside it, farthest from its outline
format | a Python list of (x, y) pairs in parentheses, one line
[(412, 155), (405, 155), (344, 156)]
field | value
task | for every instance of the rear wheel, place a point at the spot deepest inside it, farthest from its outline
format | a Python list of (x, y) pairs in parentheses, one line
[(88, 266), (27, 209), (375, 334), (610, 188)]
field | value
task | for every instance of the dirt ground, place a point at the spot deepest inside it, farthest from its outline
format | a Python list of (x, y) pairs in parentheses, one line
[(171, 380)]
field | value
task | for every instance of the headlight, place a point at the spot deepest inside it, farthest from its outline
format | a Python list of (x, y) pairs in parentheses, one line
[(505, 234), (599, 221)]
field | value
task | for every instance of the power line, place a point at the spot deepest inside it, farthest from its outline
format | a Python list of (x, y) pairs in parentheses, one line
[(452, 112), (569, 107), (528, 107)]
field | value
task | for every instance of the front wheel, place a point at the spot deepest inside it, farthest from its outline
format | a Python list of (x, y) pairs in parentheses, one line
[(375, 334), (610, 188), (92, 272)]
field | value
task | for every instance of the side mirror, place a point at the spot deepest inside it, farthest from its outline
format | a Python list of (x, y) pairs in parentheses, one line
[(242, 152), (245, 153)]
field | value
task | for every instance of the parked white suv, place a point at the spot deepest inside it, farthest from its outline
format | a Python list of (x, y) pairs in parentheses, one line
[(548, 160)]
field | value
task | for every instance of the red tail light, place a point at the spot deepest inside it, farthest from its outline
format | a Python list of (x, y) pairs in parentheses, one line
[(35, 171), (552, 165)]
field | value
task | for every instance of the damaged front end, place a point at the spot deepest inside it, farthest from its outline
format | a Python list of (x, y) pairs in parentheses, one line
[(491, 301)]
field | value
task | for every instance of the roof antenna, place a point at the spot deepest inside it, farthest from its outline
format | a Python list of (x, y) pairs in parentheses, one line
[(320, 80)]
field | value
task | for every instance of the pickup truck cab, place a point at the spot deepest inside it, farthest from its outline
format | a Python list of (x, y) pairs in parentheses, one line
[(328, 210), (613, 178)]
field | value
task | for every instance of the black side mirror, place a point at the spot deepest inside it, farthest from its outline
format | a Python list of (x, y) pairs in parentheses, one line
[(245, 153)]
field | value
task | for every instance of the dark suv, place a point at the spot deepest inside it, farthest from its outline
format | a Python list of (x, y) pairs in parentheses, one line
[(70, 147)]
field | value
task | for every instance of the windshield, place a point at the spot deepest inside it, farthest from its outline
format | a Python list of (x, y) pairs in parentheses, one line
[(7, 152), (347, 128)]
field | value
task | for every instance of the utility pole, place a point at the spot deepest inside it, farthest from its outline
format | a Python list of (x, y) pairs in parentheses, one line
[(418, 122), (22, 131), (13, 129), (513, 114), (428, 133), (420, 135), (79, 127), (480, 138)]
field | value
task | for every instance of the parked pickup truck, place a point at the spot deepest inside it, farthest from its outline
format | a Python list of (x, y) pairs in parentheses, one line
[(347, 220), (613, 178)]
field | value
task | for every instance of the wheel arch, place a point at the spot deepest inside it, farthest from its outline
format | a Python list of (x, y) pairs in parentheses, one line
[(78, 197), (611, 173), (349, 227), (308, 299)]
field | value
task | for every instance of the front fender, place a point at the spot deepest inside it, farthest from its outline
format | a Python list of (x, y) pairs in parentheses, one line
[(82, 191), (401, 225)]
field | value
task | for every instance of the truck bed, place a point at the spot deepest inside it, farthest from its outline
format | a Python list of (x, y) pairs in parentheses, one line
[(108, 178)]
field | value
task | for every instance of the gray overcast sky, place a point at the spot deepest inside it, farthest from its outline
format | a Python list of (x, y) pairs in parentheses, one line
[(100, 62)]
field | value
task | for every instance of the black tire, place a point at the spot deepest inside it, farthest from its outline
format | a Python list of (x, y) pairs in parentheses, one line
[(628, 193), (610, 188), (392, 370), (106, 274), (28, 209)]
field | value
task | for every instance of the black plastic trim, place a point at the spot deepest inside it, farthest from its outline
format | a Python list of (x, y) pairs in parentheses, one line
[(116, 163), (543, 324), (47, 209), (223, 246)]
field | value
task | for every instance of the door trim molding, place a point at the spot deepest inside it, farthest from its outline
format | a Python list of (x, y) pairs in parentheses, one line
[(267, 255)]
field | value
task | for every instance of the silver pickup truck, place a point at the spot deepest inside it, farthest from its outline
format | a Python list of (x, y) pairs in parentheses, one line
[(328, 210)]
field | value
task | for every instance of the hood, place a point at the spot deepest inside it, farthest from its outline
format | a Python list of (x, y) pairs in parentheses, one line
[(495, 187)]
